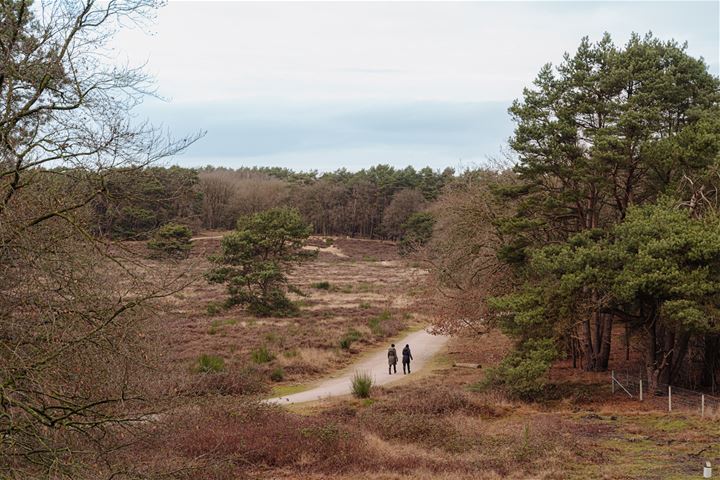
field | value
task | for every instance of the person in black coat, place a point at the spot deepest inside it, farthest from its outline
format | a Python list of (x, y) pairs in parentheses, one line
[(407, 356)]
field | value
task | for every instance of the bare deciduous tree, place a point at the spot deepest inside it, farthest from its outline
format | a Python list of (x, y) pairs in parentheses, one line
[(71, 355)]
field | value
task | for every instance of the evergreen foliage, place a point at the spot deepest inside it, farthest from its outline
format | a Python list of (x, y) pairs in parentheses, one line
[(256, 257), (172, 239)]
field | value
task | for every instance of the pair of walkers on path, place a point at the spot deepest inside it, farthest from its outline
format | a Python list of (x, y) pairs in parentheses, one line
[(393, 359)]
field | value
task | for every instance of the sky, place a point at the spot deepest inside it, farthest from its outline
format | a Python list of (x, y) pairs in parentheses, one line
[(320, 86)]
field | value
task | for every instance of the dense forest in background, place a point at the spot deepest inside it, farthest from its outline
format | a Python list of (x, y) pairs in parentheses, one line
[(373, 203)]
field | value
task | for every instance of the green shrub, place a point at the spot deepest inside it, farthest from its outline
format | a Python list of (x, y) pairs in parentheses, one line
[(361, 384), (172, 239), (213, 308), (324, 285), (210, 364), (524, 372), (350, 337), (365, 305), (277, 375), (262, 355), (328, 241)]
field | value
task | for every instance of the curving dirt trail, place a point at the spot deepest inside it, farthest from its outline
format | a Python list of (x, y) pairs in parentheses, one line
[(422, 344)]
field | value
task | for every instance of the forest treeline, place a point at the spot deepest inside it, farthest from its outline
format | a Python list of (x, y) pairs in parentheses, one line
[(372, 203)]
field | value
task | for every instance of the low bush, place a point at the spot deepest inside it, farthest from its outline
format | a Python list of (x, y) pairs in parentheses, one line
[(210, 364), (345, 343), (350, 337), (171, 239), (523, 373), (256, 436), (277, 375), (246, 381), (324, 285), (361, 384), (406, 426), (385, 324), (262, 355), (213, 308)]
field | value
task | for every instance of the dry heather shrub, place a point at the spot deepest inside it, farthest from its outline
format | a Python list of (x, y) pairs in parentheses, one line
[(246, 381), (417, 428), (309, 361), (442, 401), (259, 436)]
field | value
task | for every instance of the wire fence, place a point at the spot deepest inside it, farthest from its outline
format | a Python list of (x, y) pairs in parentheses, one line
[(666, 397)]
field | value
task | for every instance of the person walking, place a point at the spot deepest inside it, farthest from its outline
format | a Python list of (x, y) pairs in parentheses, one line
[(392, 359), (407, 356)]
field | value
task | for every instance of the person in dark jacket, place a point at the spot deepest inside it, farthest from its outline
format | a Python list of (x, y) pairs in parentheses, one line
[(407, 356), (392, 359)]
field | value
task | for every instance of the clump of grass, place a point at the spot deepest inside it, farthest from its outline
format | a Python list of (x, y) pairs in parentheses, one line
[(210, 364), (365, 287), (324, 285), (262, 355), (296, 290), (375, 323), (215, 325), (369, 258), (351, 336), (361, 384), (213, 308), (277, 375), (328, 241), (365, 305), (271, 337)]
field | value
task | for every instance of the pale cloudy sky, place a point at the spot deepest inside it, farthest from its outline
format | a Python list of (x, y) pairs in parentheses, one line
[(329, 85)]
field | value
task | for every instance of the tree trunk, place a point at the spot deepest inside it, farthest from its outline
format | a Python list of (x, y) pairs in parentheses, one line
[(589, 353), (666, 354), (681, 348), (606, 340), (651, 366), (711, 357), (627, 341)]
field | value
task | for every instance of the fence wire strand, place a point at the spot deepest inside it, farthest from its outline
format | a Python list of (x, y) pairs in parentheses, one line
[(666, 397)]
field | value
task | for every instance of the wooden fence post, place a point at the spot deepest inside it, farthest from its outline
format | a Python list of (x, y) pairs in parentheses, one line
[(641, 390), (669, 398), (612, 380), (702, 405)]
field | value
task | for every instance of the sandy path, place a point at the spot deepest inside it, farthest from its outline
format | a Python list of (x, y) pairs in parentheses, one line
[(422, 344)]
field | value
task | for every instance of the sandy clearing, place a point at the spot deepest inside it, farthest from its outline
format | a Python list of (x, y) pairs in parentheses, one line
[(423, 345), (331, 249)]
